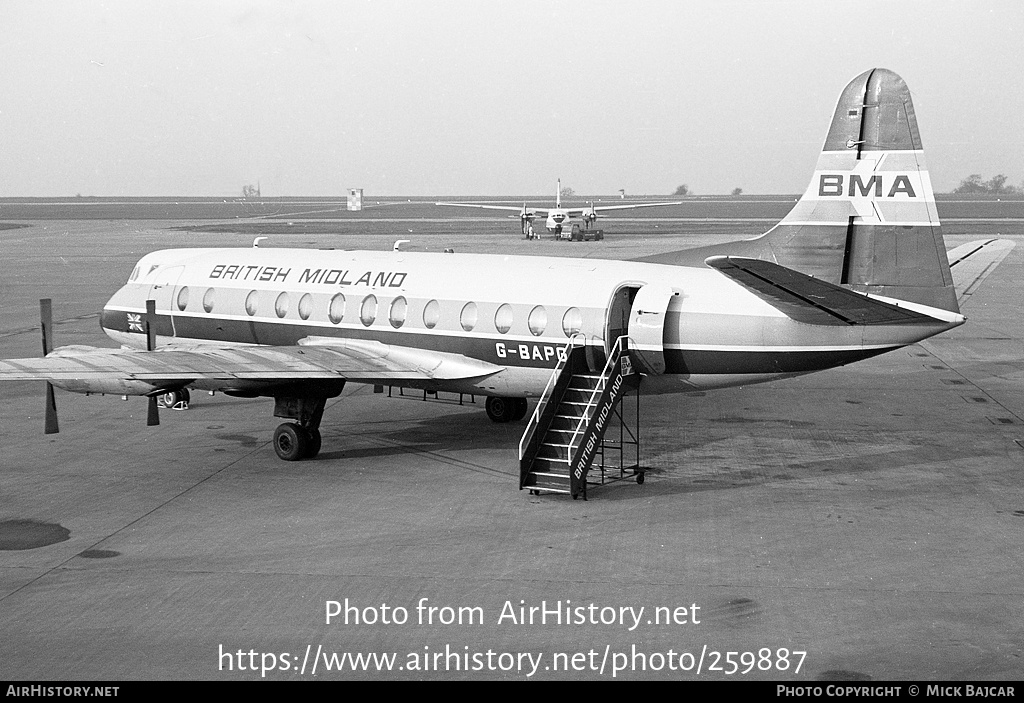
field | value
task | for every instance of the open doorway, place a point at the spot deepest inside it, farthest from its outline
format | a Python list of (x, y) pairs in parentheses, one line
[(619, 310)]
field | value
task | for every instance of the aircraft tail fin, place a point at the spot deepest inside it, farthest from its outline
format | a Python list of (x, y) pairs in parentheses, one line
[(558, 193), (868, 217)]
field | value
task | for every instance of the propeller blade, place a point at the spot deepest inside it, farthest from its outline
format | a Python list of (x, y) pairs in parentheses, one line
[(51, 411), (46, 325), (153, 414), (150, 325)]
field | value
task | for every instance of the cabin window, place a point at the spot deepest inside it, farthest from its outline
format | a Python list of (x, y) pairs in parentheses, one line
[(336, 310), (208, 300), (468, 317), (251, 302), (398, 309), (538, 320), (503, 318), (305, 306), (572, 321), (183, 298), (368, 310), (281, 305), (431, 314)]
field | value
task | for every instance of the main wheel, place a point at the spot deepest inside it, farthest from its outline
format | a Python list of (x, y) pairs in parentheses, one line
[(291, 442), (520, 409), (314, 444), (500, 409)]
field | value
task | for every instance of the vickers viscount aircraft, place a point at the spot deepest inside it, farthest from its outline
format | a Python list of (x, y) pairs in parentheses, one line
[(856, 269), (558, 218)]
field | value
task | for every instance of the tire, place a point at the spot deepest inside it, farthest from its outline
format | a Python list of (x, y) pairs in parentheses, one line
[(520, 406), (172, 398), (500, 409), (291, 442), (315, 440)]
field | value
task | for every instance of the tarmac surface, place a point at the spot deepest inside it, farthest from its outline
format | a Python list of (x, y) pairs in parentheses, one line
[(863, 523)]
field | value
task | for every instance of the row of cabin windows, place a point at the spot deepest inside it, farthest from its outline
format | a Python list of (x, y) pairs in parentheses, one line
[(537, 321)]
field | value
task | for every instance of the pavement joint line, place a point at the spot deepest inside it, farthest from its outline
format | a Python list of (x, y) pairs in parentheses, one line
[(62, 566)]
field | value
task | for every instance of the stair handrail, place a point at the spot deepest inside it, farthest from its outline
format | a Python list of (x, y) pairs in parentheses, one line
[(531, 426), (599, 387)]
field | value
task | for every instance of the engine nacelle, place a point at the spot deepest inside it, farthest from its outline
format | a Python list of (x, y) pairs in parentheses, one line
[(107, 386)]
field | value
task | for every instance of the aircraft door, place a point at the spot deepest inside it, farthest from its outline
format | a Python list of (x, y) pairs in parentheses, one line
[(647, 327), (163, 292)]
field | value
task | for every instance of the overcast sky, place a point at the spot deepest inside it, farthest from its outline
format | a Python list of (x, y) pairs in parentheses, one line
[(467, 97)]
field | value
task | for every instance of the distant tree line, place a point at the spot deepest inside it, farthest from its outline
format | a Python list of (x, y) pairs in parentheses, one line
[(685, 190), (994, 186)]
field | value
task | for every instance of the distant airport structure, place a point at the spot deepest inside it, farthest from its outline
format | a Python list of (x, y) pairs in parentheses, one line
[(355, 199)]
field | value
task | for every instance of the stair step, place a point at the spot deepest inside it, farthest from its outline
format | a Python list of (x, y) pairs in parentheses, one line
[(583, 392), (546, 477), (547, 464), (546, 489), (554, 454)]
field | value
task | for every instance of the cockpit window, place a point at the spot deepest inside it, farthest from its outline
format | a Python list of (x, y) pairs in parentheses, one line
[(135, 275)]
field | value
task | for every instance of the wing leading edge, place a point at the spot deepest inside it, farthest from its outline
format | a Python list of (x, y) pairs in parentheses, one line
[(313, 358)]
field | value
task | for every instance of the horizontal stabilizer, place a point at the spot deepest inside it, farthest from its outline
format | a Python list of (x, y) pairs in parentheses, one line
[(812, 300), (971, 263)]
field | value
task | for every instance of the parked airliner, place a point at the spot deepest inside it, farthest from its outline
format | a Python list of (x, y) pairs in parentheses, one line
[(856, 269)]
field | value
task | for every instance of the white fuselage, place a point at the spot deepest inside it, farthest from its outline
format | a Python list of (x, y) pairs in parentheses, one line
[(694, 327), (558, 218)]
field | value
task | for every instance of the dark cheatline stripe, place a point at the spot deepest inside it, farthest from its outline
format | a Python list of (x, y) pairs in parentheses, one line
[(678, 361), (693, 361)]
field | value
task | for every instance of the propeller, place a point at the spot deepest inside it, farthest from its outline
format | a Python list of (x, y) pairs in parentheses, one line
[(525, 218), (153, 415), (46, 325)]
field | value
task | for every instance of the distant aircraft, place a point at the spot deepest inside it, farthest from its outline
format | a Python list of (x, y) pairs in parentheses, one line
[(856, 269), (558, 218)]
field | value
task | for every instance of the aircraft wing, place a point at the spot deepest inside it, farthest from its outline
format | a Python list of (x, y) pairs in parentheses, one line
[(971, 263), (312, 358), (812, 300), (506, 208), (602, 208)]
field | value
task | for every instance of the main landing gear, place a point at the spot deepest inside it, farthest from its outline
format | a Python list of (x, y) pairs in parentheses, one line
[(292, 441), (301, 439), (505, 409)]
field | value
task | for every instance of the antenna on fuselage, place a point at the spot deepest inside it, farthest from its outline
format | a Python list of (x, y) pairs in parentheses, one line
[(256, 242), (399, 243)]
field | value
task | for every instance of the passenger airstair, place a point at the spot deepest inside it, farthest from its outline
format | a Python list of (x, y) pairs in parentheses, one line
[(568, 434)]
